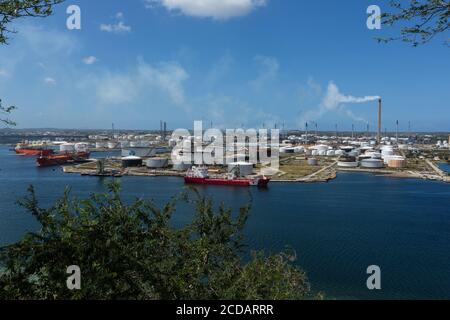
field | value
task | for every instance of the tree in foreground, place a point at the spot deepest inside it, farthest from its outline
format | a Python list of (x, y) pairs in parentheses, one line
[(5, 111), (422, 20), (11, 10), (133, 252)]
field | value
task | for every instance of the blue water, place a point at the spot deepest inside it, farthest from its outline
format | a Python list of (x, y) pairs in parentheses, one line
[(445, 167), (338, 229)]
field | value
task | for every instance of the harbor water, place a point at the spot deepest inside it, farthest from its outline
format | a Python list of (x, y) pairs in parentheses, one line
[(337, 229)]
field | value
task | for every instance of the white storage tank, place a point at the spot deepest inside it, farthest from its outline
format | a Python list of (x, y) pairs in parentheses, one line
[(101, 144), (372, 163), (322, 147), (299, 150), (156, 163), (331, 153), (112, 145), (81, 147), (67, 147), (348, 162), (124, 144), (182, 166), (241, 168)]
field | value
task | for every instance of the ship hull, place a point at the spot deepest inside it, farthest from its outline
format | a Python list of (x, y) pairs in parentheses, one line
[(227, 182), (33, 152), (61, 159)]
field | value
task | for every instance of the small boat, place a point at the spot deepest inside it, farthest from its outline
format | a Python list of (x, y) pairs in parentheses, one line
[(61, 158), (199, 175)]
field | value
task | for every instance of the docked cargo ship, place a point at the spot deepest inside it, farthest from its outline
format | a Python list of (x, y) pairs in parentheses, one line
[(199, 175), (29, 150), (60, 159)]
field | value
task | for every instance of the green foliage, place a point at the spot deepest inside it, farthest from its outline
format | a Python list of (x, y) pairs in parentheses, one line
[(14, 9), (424, 20), (133, 252), (6, 111)]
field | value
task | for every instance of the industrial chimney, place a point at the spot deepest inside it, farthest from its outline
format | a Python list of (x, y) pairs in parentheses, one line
[(379, 122)]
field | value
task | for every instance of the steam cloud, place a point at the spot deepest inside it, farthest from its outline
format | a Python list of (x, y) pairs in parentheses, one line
[(334, 100)]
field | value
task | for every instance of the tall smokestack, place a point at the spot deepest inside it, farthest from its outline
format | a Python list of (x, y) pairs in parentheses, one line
[(379, 122)]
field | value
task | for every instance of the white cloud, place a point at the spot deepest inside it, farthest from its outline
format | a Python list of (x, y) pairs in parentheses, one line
[(145, 80), (90, 60), (116, 89), (50, 81), (45, 42), (269, 68), (118, 27), (216, 9)]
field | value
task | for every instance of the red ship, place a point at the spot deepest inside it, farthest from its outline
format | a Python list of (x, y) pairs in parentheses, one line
[(200, 176), (60, 159), (33, 151)]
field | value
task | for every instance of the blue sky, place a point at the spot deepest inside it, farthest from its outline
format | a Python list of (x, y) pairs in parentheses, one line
[(233, 62)]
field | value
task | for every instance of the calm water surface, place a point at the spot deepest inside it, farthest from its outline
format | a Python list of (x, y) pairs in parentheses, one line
[(338, 229)]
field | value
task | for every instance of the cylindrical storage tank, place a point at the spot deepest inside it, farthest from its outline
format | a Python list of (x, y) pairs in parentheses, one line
[(397, 162), (112, 145), (373, 154), (187, 145), (131, 161), (172, 143), (387, 152), (344, 164), (182, 166), (348, 162), (241, 168), (322, 152), (313, 162), (346, 148), (372, 163), (156, 163), (353, 153), (290, 150), (331, 153), (299, 150), (135, 144), (321, 147), (100, 144), (283, 150), (339, 152), (124, 144), (314, 153), (67, 147), (81, 147), (308, 152)]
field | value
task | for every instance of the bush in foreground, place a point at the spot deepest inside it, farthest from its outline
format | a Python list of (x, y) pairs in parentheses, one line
[(133, 252)]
